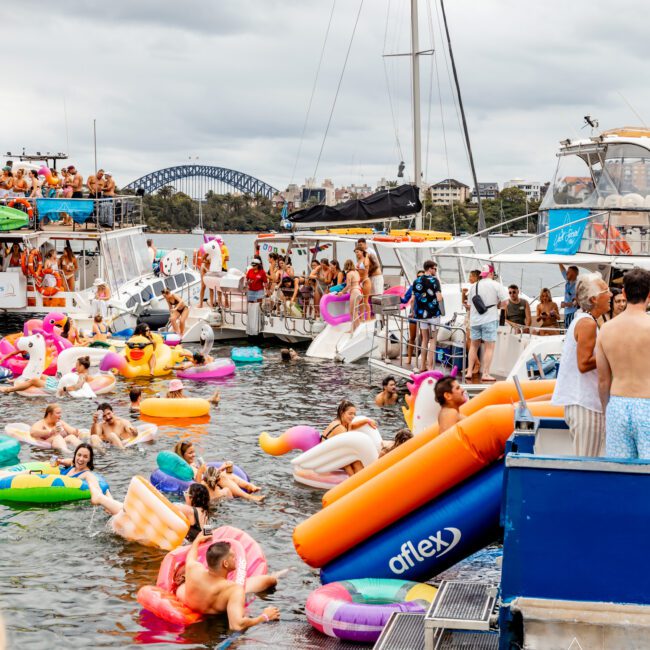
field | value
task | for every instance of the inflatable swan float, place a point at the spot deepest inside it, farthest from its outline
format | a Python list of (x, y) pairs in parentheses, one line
[(320, 465)]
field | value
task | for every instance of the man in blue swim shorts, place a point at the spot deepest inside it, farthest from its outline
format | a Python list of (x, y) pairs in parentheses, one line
[(624, 372)]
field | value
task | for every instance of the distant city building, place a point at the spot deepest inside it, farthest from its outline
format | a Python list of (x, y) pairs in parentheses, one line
[(449, 191), (532, 188), (487, 190)]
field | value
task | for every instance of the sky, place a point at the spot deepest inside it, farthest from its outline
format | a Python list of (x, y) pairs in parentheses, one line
[(228, 83)]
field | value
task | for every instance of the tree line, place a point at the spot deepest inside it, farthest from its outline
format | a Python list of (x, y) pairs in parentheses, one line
[(168, 210)]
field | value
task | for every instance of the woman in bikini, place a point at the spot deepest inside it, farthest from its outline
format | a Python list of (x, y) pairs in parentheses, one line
[(345, 414), (69, 267), (100, 330), (80, 465), (363, 266), (337, 276), (323, 279), (178, 311), (223, 483), (353, 286), (15, 255), (71, 333), (36, 191)]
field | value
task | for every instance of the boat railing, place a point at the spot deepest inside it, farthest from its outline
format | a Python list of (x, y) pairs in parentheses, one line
[(108, 213), (394, 342)]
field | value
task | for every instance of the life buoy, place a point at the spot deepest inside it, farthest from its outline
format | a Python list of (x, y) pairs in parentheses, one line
[(49, 290), (30, 262), (24, 202), (616, 243)]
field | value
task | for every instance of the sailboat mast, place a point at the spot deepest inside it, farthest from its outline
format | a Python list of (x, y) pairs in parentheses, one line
[(415, 100), (481, 214)]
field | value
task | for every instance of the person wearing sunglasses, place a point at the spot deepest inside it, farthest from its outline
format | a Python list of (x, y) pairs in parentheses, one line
[(142, 329), (517, 311)]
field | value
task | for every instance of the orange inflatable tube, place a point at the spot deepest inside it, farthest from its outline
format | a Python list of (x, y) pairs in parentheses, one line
[(438, 465), (503, 392)]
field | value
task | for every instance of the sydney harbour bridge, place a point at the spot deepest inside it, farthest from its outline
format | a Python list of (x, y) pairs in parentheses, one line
[(197, 180)]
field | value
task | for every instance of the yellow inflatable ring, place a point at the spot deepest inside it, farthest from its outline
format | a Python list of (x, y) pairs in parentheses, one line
[(185, 407)]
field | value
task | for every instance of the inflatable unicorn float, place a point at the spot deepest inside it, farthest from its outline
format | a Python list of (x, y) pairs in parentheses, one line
[(320, 465), (216, 278), (37, 383), (49, 329)]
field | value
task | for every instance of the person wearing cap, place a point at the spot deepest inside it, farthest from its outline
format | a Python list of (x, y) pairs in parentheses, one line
[(175, 391), (102, 296), (483, 326), (257, 280), (109, 185)]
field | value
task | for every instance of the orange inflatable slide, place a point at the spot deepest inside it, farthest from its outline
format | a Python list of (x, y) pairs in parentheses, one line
[(431, 465), (502, 392)]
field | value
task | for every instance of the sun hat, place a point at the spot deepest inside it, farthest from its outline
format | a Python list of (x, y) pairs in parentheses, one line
[(175, 384), (486, 269), (257, 260), (98, 282)]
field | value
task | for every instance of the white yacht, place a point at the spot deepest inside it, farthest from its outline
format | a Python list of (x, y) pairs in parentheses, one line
[(110, 246), (595, 215)]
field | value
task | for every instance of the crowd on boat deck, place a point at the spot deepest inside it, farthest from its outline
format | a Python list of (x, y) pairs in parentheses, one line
[(67, 183)]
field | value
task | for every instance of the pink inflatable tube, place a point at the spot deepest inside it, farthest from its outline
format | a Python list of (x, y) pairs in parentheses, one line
[(325, 303), (162, 601), (218, 369)]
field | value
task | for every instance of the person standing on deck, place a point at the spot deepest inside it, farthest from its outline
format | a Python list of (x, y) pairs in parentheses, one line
[(427, 301), (624, 373), (570, 305), (576, 387), (491, 296)]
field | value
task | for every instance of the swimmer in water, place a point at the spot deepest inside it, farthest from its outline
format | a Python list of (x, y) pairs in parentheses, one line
[(208, 590), (451, 396)]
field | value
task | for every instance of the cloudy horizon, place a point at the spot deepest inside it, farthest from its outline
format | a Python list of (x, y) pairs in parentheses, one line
[(228, 84)]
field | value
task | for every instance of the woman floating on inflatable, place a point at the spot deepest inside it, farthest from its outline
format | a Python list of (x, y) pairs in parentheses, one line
[(32, 375)]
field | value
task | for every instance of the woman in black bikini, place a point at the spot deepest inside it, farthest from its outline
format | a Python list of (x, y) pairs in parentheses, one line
[(345, 421), (178, 311)]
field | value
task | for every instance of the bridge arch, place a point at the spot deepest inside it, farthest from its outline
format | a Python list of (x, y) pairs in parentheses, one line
[(239, 180)]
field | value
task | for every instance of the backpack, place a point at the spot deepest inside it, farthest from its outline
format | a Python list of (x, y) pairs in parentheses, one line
[(478, 303)]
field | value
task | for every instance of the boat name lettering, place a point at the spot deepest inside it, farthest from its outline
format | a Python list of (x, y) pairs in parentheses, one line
[(429, 546)]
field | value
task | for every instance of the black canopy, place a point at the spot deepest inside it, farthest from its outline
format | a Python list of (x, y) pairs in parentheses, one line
[(393, 203)]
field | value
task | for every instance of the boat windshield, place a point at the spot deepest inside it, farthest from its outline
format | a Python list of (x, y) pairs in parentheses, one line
[(449, 268), (126, 257), (605, 176)]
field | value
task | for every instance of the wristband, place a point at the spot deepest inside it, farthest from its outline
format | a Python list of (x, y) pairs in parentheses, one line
[(265, 617)]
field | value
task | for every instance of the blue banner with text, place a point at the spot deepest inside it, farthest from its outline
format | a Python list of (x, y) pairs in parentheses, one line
[(567, 234)]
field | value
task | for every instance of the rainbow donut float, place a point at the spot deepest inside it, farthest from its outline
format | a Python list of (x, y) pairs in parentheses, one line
[(357, 610), (41, 483), (162, 601)]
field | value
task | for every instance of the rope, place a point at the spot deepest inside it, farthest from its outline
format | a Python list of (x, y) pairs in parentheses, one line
[(313, 92), (338, 88)]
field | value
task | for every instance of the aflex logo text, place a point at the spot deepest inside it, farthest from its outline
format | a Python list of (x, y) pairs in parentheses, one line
[(427, 547)]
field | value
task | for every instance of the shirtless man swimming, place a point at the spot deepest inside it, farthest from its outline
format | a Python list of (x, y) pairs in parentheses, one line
[(55, 431), (389, 394), (451, 396), (111, 429), (209, 591), (624, 373)]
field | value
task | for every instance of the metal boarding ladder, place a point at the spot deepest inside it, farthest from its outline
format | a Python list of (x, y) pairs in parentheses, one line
[(461, 616)]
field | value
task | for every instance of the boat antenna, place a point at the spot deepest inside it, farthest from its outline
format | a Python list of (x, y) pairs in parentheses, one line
[(95, 142), (481, 214)]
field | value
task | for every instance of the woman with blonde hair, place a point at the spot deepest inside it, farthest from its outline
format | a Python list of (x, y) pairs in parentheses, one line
[(69, 266), (548, 314), (353, 286)]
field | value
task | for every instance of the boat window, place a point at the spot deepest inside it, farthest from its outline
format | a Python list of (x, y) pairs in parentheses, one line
[(189, 278), (179, 278), (573, 184), (133, 301), (146, 294), (170, 283), (129, 257), (157, 287), (111, 247), (141, 254)]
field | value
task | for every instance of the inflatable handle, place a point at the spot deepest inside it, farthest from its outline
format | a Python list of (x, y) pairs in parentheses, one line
[(324, 308), (174, 465), (301, 437)]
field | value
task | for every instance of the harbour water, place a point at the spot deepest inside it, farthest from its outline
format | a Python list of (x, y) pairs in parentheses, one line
[(67, 580)]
